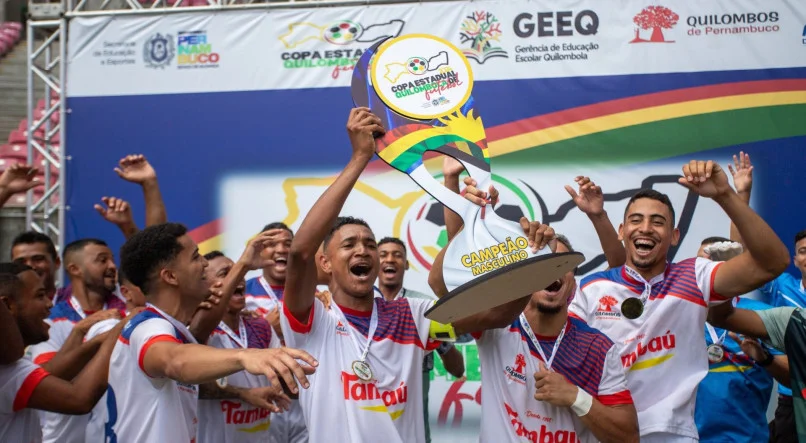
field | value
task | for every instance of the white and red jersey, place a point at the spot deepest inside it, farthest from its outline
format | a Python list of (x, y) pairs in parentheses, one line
[(141, 407), (98, 417), (17, 382), (61, 428), (663, 351), (339, 406), (232, 420), (261, 297), (509, 360)]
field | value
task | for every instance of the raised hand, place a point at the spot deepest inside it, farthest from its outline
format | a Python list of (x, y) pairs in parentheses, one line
[(18, 178), (723, 251), (86, 323), (325, 297), (590, 199), (451, 167), (213, 297), (117, 211), (553, 388), (538, 235), (251, 257), (362, 126), (478, 196), (743, 173), (280, 364), (136, 169), (706, 178)]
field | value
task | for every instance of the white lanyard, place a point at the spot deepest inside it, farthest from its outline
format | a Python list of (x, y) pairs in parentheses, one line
[(179, 326), (528, 329), (239, 340), (373, 325), (77, 307), (269, 290), (647, 285), (712, 332)]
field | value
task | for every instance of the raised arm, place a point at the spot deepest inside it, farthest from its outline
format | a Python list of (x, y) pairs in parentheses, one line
[(301, 280), (743, 182), (765, 255), (118, 212), (204, 321), (590, 201), (80, 395), (17, 178), (743, 321), (75, 353), (136, 169), (451, 169)]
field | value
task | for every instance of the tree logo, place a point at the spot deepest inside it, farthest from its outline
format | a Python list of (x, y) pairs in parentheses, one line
[(520, 363), (605, 310), (657, 18), (481, 31), (606, 303)]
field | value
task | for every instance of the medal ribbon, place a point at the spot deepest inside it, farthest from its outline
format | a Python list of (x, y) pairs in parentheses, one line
[(240, 341), (531, 335), (77, 307), (647, 285), (373, 325), (269, 290), (175, 323)]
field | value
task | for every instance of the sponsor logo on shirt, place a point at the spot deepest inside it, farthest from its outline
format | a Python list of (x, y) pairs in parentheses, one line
[(186, 388), (341, 329), (516, 373), (236, 414), (605, 310), (656, 348), (358, 391), (544, 434)]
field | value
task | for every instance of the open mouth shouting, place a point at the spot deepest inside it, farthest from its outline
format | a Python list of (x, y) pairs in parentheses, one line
[(554, 288), (280, 263), (361, 270), (644, 246)]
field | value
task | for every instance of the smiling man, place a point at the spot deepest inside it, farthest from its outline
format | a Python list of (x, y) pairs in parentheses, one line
[(657, 310)]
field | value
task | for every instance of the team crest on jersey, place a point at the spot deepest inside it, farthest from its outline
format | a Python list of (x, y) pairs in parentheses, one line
[(516, 371), (605, 309), (341, 329)]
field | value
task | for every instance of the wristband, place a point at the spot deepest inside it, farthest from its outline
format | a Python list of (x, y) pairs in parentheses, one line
[(440, 332), (582, 405), (767, 361)]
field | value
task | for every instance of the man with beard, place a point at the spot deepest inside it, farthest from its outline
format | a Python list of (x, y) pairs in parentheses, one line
[(264, 295), (93, 274), (578, 389), (657, 311), (25, 386), (244, 394), (370, 350), (394, 264), (157, 364)]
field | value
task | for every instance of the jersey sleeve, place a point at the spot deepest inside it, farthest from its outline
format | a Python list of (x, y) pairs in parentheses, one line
[(418, 308), (41, 353), (17, 383), (100, 328), (296, 333), (579, 305), (705, 271), (147, 333), (613, 385), (775, 321)]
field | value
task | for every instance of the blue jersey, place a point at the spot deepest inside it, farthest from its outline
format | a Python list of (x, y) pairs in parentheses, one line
[(732, 399), (785, 290)]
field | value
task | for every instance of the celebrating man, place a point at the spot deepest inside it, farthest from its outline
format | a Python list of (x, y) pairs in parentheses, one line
[(657, 310)]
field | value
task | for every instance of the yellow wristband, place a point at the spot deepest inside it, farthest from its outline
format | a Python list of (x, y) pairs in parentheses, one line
[(441, 332)]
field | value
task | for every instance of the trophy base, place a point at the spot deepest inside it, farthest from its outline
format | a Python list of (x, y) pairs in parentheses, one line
[(503, 286)]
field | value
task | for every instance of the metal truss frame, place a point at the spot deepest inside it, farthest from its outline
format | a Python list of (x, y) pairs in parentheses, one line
[(47, 63)]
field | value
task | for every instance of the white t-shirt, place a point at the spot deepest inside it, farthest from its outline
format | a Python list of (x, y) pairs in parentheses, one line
[(62, 428), (98, 417), (17, 382), (663, 350), (141, 408), (232, 420), (340, 407), (509, 360)]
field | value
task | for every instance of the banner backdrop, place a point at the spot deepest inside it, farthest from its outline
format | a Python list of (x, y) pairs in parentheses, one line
[(243, 113)]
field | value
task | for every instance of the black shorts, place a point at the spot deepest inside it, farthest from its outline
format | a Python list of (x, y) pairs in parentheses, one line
[(782, 427)]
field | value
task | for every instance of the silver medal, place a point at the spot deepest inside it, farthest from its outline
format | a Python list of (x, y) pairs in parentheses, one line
[(715, 353), (362, 370)]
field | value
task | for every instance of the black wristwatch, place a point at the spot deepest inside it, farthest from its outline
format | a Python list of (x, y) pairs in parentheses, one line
[(767, 361)]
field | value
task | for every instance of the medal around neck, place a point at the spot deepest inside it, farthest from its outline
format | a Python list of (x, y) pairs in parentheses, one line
[(362, 370), (716, 353), (420, 86), (632, 308)]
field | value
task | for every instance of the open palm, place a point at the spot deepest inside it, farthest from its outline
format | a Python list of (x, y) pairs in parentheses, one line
[(135, 169)]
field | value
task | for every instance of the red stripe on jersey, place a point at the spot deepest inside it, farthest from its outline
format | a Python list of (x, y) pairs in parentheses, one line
[(688, 297), (44, 357), (123, 340), (296, 325), (27, 389), (714, 294), (611, 281), (619, 398), (151, 341), (571, 314)]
